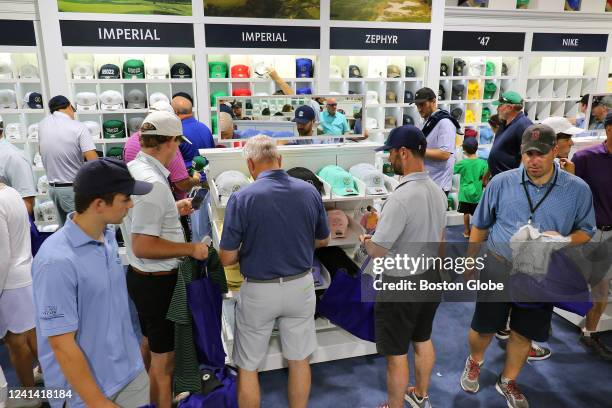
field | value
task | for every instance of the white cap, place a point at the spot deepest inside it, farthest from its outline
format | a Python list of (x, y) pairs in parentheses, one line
[(111, 100), (94, 129), (86, 101), (335, 72), (43, 184), (136, 99), (157, 70), (161, 106), (260, 69), (83, 70), (371, 97), (373, 179), (229, 182), (165, 124), (8, 99), (261, 94), (33, 131), (134, 124), (37, 160), (28, 71), (5, 71), (47, 211), (562, 125), (156, 97), (13, 131), (477, 67), (371, 123), (334, 93)]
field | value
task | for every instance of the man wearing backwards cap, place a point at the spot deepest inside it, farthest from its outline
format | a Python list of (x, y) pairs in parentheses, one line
[(85, 337), (402, 229), (155, 242), (557, 203), (272, 227), (64, 145)]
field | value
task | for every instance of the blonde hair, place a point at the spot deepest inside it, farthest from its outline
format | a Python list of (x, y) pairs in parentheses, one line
[(261, 149), (226, 124)]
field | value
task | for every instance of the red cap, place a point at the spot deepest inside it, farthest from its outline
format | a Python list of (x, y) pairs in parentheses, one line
[(240, 71), (241, 92), (469, 132)]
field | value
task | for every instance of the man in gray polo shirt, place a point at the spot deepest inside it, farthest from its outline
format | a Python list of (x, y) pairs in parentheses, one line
[(16, 171), (64, 144), (272, 226), (414, 230), (440, 129)]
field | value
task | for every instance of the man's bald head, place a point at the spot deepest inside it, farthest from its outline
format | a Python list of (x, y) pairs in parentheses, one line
[(182, 106)]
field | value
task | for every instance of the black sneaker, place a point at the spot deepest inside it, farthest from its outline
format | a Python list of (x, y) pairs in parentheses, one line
[(502, 334), (594, 344)]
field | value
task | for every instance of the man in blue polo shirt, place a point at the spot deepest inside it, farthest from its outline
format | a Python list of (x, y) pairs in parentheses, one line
[(272, 227), (331, 121), (506, 150), (198, 133), (86, 342), (554, 201)]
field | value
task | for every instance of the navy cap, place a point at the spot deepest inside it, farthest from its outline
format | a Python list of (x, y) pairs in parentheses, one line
[(408, 136), (304, 114), (108, 175), (608, 119), (58, 102), (470, 142)]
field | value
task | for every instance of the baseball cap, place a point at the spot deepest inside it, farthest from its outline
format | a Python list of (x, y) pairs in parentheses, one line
[(458, 66), (373, 179), (443, 69), (136, 99), (241, 92), (441, 92), (470, 117), (240, 71), (504, 70), (157, 70), (341, 181), (133, 68), (180, 70), (477, 68), (229, 182), (164, 124), (217, 69), (33, 100), (94, 128), (470, 143), (458, 91), (86, 101), (408, 120), (371, 123), (157, 97), (111, 100), (408, 136), (469, 132), (28, 71), (42, 185), (113, 129), (390, 121), (354, 72), (115, 152), (473, 90), (33, 131), (540, 138), (424, 94), (561, 125), (5, 71), (509, 97), (8, 99), (304, 68), (371, 97), (393, 71), (608, 119), (308, 176), (486, 114), (134, 124), (108, 175), (13, 131), (338, 223), (489, 90), (410, 72), (335, 72), (83, 70), (408, 97), (304, 114), (303, 91), (161, 106), (215, 95), (456, 113), (391, 97), (55, 103), (109, 71), (490, 68)]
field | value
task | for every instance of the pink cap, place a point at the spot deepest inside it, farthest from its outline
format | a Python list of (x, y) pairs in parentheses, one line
[(338, 223)]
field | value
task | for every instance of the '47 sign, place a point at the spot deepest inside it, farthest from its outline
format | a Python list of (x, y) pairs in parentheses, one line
[(483, 41)]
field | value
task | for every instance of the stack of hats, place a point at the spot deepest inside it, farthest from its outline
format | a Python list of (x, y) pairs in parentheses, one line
[(109, 71), (133, 69), (340, 180), (180, 71), (86, 101), (217, 69), (111, 100), (113, 129)]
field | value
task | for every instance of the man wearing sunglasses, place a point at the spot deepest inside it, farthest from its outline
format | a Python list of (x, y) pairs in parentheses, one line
[(333, 122)]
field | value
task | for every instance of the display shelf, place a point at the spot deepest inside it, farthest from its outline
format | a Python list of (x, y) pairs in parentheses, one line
[(132, 81), (258, 80)]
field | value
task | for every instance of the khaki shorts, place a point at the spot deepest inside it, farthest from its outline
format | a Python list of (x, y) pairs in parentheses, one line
[(259, 306)]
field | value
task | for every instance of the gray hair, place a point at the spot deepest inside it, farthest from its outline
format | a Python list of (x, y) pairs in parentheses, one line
[(260, 149)]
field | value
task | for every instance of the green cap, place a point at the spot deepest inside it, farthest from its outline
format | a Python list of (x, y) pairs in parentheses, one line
[(199, 163), (133, 69), (116, 152), (490, 70), (341, 181), (214, 96), (217, 69), (509, 98), (489, 90), (113, 129), (214, 121), (486, 114)]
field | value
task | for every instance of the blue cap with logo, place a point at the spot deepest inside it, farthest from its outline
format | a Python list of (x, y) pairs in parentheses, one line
[(408, 136), (304, 114)]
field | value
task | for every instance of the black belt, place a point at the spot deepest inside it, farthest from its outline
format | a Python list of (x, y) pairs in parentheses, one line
[(279, 280), (605, 228), (60, 184)]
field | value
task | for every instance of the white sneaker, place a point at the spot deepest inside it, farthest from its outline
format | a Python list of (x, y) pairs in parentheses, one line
[(38, 377)]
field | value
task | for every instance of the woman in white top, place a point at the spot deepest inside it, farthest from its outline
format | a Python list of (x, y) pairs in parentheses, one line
[(16, 299)]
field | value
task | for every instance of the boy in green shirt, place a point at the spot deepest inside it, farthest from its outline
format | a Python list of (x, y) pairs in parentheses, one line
[(472, 170)]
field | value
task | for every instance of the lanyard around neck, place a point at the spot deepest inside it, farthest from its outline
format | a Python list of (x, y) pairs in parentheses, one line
[(533, 209)]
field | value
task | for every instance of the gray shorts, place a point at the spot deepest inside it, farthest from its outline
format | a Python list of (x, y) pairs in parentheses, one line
[(259, 306), (135, 394), (63, 198)]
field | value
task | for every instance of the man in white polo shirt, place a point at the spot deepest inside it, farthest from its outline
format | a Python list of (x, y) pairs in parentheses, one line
[(155, 242), (64, 144)]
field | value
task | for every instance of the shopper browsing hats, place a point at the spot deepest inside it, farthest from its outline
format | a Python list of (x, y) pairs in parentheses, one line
[(272, 227), (544, 197), (16, 299), (155, 241), (195, 131), (16, 171), (471, 171), (506, 150), (86, 339), (594, 165), (332, 122), (65, 144), (600, 106), (440, 129), (401, 230)]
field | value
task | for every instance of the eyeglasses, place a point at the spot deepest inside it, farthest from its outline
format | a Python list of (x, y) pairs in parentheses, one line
[(332, 104)]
